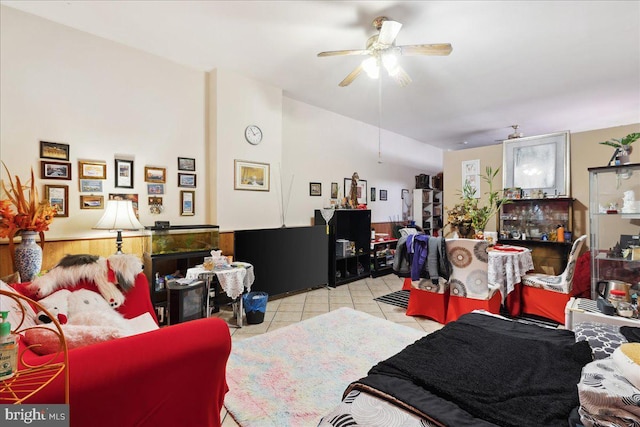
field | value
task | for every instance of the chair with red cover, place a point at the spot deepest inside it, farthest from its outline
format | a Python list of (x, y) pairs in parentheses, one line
[(469, 283), (428, 299), (547, 295)]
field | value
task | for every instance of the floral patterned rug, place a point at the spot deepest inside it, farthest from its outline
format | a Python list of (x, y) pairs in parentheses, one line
[(294, 375)]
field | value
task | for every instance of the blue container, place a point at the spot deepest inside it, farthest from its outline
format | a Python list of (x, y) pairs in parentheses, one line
[(255, 305)]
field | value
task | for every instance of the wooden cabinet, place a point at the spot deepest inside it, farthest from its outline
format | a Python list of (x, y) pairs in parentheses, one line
[(349, 245), (171, 252), (382, 254), (614, 220), (533, 223), (427, 210)]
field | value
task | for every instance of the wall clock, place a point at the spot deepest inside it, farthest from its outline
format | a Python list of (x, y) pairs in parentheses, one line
[(253, 134)]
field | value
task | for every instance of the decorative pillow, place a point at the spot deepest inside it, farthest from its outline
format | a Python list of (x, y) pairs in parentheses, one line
[(602, 338), (13, 307), (45, 341)]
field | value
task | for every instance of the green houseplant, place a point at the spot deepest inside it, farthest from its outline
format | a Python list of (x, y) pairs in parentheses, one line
[(623, 148)]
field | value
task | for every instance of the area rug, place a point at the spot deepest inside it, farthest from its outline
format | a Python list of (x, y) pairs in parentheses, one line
[(397, 298), (293, 376)]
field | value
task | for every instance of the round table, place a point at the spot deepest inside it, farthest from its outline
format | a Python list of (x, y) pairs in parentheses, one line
[(506, 266)]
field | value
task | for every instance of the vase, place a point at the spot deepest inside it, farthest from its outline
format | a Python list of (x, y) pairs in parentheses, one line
[(465, 230), (28, 256)]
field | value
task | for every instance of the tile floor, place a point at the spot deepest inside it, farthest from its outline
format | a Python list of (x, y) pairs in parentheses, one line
[(358, 295)]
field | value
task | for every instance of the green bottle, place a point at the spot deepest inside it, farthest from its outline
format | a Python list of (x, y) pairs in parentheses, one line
[(8, 348)]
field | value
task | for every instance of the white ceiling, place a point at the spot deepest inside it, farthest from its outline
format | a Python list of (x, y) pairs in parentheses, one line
[(545, 65)]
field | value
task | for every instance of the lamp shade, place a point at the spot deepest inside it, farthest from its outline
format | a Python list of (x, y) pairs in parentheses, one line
[(118, 215)]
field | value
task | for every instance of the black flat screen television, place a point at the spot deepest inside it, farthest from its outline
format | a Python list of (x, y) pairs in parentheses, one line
[(186, 302)]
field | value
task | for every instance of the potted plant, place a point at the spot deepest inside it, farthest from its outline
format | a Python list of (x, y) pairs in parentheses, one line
[(623, 148)]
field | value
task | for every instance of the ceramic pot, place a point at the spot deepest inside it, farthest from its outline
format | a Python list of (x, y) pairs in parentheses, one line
[(465, 231), (28, 256)]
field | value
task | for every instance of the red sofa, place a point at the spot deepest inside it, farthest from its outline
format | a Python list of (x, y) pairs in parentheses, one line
[(173, 376)]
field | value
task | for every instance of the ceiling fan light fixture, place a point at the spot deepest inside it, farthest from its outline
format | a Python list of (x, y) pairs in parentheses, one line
[(370, 66), (390, 62)]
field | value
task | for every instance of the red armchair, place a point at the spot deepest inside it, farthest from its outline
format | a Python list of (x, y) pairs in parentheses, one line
[(170, 376)]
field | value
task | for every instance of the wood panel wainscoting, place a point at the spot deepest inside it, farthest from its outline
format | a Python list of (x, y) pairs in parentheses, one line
[(54, 250)]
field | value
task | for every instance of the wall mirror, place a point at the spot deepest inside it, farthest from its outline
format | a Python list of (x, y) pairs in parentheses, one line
[(538, 163)]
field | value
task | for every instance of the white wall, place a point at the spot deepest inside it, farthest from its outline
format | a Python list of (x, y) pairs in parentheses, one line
[(321, 146), (62, 85)]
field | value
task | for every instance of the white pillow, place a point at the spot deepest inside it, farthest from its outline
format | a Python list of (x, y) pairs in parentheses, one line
[(13, 307)]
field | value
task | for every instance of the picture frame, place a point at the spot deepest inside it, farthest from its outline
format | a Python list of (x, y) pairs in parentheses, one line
[(315, 189), (55, 170), (54, 150), (155, 189), (252, 176), (58, 198), (186, 164), (155, 174), (91, 202), (187, 180), (513, 193), (92, 170), (124, 173), (90, 185), (133, 197), (334, 190), (471, 175), (538, 162), (187, 203), (362, 190), (372, 196), (383, 195)]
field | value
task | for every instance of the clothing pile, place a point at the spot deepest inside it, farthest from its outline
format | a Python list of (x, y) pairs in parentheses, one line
[(420, 256)]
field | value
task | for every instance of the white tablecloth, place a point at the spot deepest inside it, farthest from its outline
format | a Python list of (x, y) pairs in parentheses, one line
[(506, 267), (233, 280)]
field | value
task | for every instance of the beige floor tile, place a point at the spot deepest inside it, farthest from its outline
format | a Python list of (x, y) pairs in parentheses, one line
[(291, 306), (362, 298), (316, 307), (340, 298), (309, 314), (278, 325), (317, 298), (287, 316), (367, 307), (247, 329), (337, 305), (399, 317)]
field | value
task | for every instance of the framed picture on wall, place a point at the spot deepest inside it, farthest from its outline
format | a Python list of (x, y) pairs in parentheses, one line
[(186, 164), (153, 174), (187, 203), (373, 194), (91, 202), (252, 176), (334, 190), (154, 188), (187, 180), (54, 150), (91, 186), (315, 189), (92, 170), (58, 198), (55, 170), (361, 189), (124, 173), (537, 162), (383, 195)]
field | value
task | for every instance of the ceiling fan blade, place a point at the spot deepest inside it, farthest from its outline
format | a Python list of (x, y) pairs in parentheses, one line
[(344, 52), (401, 77), (351, 77), (388, 32), (426, 49)]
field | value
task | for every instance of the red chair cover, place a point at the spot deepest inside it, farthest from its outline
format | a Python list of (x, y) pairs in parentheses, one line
[(545, 303), (428, 304)]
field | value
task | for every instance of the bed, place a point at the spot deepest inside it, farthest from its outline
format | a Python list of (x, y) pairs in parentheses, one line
[(481, 370)]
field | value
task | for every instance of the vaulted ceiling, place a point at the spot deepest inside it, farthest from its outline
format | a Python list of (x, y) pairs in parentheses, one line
[(545, 65)]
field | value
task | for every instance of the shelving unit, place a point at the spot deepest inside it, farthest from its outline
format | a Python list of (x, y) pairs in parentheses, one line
[(611, 222), (427, 210), (352, 225), (173, 250), (535, 218), (382, 254)]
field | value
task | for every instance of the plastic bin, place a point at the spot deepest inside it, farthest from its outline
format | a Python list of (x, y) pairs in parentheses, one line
[(255, 305)]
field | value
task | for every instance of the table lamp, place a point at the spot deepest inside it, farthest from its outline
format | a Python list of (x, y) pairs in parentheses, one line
[(118, 216)]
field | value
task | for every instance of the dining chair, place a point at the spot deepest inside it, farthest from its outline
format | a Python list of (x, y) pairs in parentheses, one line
[(430, 297), (469, 286), (547, 295)]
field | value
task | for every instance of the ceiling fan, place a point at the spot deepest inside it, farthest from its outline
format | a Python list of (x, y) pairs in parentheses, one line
[(515, 133), (382, 50)]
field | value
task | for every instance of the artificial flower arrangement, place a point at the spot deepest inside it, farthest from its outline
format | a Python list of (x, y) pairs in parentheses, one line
[(22, 210), (468, 215)]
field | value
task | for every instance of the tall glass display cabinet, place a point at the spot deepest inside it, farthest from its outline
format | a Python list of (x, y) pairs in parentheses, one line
[(614, 224)]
